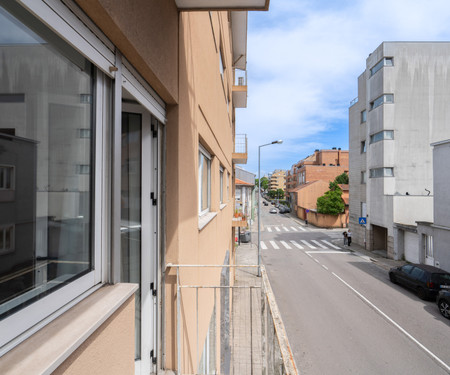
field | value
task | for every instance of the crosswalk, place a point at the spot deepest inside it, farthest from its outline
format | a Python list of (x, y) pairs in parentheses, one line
[(317, 245), (287, 229)]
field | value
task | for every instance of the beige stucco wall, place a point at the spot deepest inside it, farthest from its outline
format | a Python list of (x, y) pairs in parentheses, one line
[(109, 350)]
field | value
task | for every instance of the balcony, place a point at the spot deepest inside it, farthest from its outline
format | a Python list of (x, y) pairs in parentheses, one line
[(240, 149), (210, 5), (240, 88)]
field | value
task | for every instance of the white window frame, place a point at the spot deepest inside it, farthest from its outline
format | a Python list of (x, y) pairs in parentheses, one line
[(206, 156), (382, 136), (385, 98), (386, 61), (385, 172)]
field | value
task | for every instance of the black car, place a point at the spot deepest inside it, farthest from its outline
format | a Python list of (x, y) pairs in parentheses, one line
[(265, 203), (443, 302), (425, 280)]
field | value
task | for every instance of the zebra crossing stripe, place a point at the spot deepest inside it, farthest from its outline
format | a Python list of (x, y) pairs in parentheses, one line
[(263, 245), (296, 245), (330, 244), (274, 245), (295, 230), (269, 229), (286, 229), (285, 245), (309, 245), (303, 229), (319, 244), (278, 229)]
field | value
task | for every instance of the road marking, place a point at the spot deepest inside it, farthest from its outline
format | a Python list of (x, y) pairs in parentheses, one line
[(315, 260), (295, 230), (277, 229), (263, 245), (285, 245), (275, 246), (319, 244), (309, 245), (328, 252), (296, 245), (325, 267), (269, 229), (431, 354), (303, 229), (286, 229), (330, 244)]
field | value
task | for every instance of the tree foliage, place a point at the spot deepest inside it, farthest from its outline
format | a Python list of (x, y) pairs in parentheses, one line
[(331, 202), (264, 183), (342, 179)]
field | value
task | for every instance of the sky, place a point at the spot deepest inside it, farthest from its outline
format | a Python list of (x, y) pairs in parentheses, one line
[(303, 61)]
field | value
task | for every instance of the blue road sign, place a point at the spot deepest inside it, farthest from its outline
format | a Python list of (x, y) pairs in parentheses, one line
[(362, 220)]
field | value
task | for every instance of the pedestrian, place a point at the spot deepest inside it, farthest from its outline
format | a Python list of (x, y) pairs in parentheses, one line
[(345, 238), (349, 237)]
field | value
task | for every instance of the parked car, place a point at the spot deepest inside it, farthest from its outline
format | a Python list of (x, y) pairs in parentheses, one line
[(425, 280), (443, 302), (273, 211), (265, 203)]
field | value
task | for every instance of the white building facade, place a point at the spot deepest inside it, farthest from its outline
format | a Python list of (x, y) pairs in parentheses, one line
[(402, 107)]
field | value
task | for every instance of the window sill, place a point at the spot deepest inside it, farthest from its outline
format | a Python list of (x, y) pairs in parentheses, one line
[(204, 220), (47, 349), (222, 206)]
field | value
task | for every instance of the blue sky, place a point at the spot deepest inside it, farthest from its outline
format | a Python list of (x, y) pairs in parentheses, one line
[(304, 58)]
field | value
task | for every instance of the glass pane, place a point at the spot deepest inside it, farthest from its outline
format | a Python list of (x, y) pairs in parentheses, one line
[(205, 181), (131, 224), (42, 80)]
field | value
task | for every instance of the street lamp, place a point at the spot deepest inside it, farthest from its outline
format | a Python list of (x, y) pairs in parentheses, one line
[(259, 201)]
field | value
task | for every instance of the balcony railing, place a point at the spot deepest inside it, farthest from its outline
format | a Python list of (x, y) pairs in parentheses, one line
[(240, 149), (240, 88), (354, 101)]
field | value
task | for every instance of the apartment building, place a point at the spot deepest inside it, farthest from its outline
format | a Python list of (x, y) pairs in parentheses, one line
[(402, 107), (277, 180), (245, 192), (117, 162)]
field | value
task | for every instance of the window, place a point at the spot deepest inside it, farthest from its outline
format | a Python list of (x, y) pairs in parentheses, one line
[(381, 136), (6, 177), (6, 239), (363, 116), (363, 147), (204, 182), (84, 133), (386, 98), (363, 177), (221, 63), (83, 169), (221, 184), (228, 186), (381, 172), (363, 209), (428, 245), (387, 61)]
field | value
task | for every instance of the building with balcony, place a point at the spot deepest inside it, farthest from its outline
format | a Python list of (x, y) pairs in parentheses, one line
[(402, 107), (277, 180), (109, 111)]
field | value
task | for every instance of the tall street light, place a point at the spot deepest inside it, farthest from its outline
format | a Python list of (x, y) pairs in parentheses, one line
[(259, 201)]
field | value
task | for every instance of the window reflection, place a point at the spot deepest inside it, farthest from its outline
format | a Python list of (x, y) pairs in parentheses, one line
[(44, 197)]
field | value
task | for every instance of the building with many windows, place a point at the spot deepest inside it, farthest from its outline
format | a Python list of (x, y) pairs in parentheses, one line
[(277, 180), (403, 106), (117, 155)]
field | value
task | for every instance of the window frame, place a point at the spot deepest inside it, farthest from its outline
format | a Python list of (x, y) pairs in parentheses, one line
[(363, 177), (3, 229), (381, 136), (221, 179), (203, 154), (373, 172), (381, 64), (5, 168), (363, 116), (363, 147), (382, 99)]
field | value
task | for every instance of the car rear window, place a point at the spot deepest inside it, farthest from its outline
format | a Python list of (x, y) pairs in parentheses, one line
[(440, 278), (419, 274)]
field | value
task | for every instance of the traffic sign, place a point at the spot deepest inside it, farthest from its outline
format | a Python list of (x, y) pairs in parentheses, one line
[(362, 220)]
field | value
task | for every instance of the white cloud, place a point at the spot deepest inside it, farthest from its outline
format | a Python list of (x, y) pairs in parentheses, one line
[(304, 58)]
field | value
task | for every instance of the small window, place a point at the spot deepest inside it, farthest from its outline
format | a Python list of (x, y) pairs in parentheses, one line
[(387, 61), (381, 136), (363, 147), (6, 239), (363, 116), (221, 184), (386, 98), (428, 245), (381, 172), (84, 133), (221, 63), (6, 177), (363, 177), (83, 169), (204, 175)]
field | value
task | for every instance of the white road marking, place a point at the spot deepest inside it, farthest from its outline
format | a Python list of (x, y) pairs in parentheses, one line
[(309, 245), (319, 244), (286, 229), (277, 229), (263, 245), (315, 260), (330, 244), (269, 229), (285, 244), (296, 245), (325, 267), (295, 230), (328, 252), (431, 354), (303, 229), (275, 246)]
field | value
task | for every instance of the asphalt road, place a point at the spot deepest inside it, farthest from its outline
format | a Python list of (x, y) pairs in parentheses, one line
[(341, 313)]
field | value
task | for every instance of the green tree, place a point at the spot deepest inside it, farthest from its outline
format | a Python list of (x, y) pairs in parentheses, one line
[(264, 183), (280, 193), (272, 193), (342, 179), (331, 202)]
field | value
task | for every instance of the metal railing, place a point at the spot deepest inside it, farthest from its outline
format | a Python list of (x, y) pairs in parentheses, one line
[(240, 143), (354, 101), (242, 334), (240, 77)]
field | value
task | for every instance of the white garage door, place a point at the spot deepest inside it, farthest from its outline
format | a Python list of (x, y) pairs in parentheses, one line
[(412, 247)]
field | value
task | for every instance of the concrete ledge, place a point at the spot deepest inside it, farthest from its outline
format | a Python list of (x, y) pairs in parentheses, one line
[(47, 349), (204, 220)]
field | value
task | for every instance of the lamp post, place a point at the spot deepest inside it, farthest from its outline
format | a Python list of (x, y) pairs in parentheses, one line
[(259, 201)]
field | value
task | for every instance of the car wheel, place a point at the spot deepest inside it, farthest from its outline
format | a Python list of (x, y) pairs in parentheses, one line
[(392, 278), (421, 293), (444, 308)]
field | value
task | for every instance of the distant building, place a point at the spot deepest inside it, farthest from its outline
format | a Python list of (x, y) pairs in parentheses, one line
[(403, 106), (277, 180)]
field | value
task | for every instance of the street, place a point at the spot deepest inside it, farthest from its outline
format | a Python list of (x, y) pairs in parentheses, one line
[(341, 312)]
